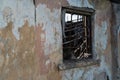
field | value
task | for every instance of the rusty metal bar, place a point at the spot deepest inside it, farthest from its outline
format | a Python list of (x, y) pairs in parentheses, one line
[(74, 29), (74, 34), (72, 40)]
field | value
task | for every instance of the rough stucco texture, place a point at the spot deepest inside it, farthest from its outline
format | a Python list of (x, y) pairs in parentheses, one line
[(48, 17), (31, 40), (17, 40), (117, 26)]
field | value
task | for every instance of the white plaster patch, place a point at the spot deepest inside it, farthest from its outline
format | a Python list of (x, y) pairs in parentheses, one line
[(101, 36), (16, 11), (47, 62), (50, 20), (80, 3), (3, 24), (42, 37)]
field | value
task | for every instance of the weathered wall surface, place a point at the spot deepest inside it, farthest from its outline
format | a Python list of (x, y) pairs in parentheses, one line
[(117, 26), (48, 20), (101, 44), (17, 40), (116, 30), (31, 40)]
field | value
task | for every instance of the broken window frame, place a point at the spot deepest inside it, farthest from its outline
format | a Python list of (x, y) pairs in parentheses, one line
[(80, 11), (69, 64)]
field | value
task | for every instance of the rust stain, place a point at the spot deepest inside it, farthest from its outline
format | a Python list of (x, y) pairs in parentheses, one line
[(53, 73), (18, 54)]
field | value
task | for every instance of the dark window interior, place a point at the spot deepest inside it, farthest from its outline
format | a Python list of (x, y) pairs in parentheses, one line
[(77, 43)]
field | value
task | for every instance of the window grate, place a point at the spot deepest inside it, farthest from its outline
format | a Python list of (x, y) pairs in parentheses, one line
[(76, 36)]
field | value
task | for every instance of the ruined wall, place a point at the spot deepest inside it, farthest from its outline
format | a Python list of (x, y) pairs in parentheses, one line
[(17, 40), (31, 40), (48, 19)]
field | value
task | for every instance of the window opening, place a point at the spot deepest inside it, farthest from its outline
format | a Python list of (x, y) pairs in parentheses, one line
[(77, 43)]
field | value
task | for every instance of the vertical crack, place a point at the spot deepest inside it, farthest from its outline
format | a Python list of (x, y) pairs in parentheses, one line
[(34, 2)]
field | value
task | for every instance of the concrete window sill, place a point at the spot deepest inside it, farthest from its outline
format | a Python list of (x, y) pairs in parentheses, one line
[(78, 64)]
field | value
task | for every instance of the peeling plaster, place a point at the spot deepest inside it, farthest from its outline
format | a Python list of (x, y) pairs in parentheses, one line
[(3, 24), (17, 11), (14, 66), (52, 26), (80, 3), (49, 21)]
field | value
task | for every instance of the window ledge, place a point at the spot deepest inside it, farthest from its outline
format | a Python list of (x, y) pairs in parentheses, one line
[(77, 64)]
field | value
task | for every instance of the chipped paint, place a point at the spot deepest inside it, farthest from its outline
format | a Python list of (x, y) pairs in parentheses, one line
[(13, 63), (17, 12)]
